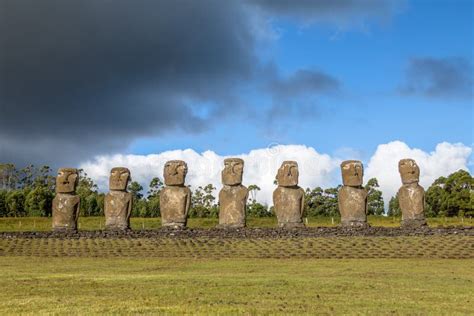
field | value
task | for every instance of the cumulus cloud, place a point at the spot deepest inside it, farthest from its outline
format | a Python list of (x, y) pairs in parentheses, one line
[(444, 160), (439, 78), (316, 169), (261, 166)]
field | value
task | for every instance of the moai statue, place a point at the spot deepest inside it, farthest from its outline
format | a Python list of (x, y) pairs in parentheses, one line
[(411, 196), (66, 203), (175, 198), (352, 197), (118, 202), (233, 196), (288, 198)]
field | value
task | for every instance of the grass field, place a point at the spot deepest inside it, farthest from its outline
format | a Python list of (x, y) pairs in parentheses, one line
[(97, 223), (408, 275), (235, 286)]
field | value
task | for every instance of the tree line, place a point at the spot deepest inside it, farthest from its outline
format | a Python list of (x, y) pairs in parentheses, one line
[(29, 192)]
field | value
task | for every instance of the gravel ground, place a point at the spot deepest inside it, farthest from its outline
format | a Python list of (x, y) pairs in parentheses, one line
[(249, 233)]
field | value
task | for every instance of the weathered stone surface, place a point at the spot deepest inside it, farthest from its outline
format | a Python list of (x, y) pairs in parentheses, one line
[(175, 198), (118, 202), (175, 172), (232, 203), (233, 171), (352, 173), (288, 174), (409, 171), (233, 195), (411, 196), (352, 198), (66, 203), (288, 198), (353, 206)]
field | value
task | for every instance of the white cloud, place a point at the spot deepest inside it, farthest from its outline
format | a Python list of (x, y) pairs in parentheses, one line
[(316, 169), (444, 160)]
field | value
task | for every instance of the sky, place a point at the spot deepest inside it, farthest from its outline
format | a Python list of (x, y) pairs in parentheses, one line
[(95, 84)]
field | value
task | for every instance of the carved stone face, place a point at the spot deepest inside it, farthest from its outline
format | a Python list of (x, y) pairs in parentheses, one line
[(175, 172), (288, 173), (352, 173), (233, 171), (66, 180), (119, 178), (409, 171)]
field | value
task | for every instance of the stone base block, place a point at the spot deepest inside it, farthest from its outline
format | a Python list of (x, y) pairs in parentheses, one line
[(230, 226), (64, 230), (414, 223), (175, 225), (117, 228), (354, 224), (291, 225)]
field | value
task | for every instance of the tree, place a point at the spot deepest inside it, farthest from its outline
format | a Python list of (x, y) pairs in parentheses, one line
[(451, 196), (3, 203), (203, 202), (256, 209), (375, 204), (319, 202), (153, 198), (139, 206), (15, 201), (135, 188), (87, 191), (8, 176), (253, 190), (39, 201), (394, 207)]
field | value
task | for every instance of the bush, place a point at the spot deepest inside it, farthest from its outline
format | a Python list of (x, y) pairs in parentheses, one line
[(256, 209), (39, 201), (15, 202)]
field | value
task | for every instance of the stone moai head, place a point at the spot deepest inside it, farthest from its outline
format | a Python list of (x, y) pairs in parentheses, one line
[(119, 178), (175, 172), (67, 180), (288, 174), (409, 171), (352, 173), (233, 171)]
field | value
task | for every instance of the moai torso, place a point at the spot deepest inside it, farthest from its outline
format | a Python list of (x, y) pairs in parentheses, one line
[(352, 197), (66, 203), (117, 209), (175, 198), (411, 196), (233, 195), (232, 203), (288, 198), (289, 206), (118, 202), (352, 205), (174, 205)]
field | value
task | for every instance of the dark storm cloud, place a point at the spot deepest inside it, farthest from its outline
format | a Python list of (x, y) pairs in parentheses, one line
[(298, 95), (80, 78), (303, 82), (342, 12), (439, 78), (84, 77)]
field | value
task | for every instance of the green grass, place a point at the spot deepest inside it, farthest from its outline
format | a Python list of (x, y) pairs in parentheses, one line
[(97, 223), (235, 286)]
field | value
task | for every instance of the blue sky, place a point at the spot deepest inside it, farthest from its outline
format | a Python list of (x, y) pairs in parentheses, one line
[(126, 77), (370, 60)]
